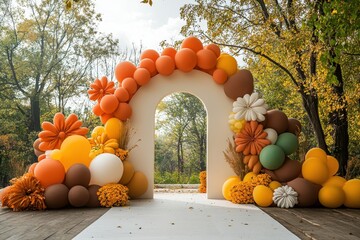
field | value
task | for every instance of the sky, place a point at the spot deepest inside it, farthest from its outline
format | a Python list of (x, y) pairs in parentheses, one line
[(133, 22)]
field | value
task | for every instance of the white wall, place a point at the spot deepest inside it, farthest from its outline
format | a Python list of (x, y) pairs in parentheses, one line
[(218, 107)]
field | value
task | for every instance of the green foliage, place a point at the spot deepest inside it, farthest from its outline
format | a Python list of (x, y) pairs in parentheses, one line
[(175, 178)]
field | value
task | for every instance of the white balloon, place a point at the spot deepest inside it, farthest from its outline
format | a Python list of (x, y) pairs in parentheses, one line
[(106, 168), (272, 135)]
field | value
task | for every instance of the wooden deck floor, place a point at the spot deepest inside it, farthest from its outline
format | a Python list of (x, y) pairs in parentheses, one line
[(306, 223)]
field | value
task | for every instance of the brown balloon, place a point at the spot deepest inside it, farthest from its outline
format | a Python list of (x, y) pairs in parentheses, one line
[(77, 174), (294, 126), (277, 120), (56, 196), (36, 144), (128, 173), (290, 170), (239, 84), (137, 185), (78, 196), (93, 197), (307, 191)]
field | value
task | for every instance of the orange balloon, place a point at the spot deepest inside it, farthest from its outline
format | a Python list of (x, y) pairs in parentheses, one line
[(318, 153), (122, 94), (206, 59), (214, 48), (148, 64), (220, 76), (130, 85), (185, 59), (97, 110), (165, 65), (124, 70), (109, 103), (32, 167), (105, 117), (332, 164), (41, 157), (123, 112), (149, 53), (49, 172), (169, 51), (193, 43), (142, 76)]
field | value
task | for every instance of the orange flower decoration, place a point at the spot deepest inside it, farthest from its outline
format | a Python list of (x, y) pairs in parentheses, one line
[(251, 139), (54, 134), (100, 88)]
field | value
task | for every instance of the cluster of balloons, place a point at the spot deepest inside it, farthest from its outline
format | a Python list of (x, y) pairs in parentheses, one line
[(192, 54)]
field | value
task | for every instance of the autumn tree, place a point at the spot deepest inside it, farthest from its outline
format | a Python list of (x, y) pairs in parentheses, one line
[(47, 51), (301, 41), (181, 126)]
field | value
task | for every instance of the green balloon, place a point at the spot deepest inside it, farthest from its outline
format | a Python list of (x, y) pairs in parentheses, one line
[(288, 142), (272, 157)]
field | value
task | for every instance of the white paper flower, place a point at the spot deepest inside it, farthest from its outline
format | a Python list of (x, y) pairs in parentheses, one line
[(285, 197), (250, 108)]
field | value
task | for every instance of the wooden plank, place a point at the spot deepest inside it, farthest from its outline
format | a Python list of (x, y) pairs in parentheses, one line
[(319, 223), (48, 224)]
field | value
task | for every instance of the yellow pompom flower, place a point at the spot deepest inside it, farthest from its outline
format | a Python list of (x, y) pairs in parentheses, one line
[(236, 125), (113, 195)]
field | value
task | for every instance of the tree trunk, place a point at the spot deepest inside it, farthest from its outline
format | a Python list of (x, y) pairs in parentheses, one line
[(35, 113), (310, 103), (340, 124), (202, 154)]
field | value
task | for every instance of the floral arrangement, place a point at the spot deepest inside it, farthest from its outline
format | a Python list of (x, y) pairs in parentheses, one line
[(113, 195), (202, 177)]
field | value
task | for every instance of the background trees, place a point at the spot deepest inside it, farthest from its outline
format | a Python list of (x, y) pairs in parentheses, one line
[(180, 143), (297, 45)]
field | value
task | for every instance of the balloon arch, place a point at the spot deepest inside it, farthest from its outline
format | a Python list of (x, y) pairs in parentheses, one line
[(243, 136)]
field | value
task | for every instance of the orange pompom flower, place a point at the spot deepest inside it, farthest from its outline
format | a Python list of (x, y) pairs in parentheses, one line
[(26, 193), (251, 139), (54, 134), (100, 88)]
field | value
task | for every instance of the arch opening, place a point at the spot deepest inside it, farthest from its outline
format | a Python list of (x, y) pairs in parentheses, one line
[(180, 139)]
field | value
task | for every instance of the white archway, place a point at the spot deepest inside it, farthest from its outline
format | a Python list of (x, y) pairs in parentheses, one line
[(218, 107)]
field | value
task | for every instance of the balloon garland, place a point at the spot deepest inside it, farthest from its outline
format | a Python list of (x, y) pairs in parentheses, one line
[(76, 171)]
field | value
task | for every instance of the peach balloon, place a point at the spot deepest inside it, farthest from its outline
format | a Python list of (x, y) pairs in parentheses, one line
[(165, 65), (124, 70), (123, 112), (148, 64), (142, 76), (122, 94), (185, 59), (149, 53), (32, 168), (193, 43), (109, 103), (169, 51), (206, 59), (214, 48), (130, 85), (220, 76), (97, 110), (49, 172)]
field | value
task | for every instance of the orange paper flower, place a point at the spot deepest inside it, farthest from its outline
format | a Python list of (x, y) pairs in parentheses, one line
[(251, 139), (100, 88), (53, 134)]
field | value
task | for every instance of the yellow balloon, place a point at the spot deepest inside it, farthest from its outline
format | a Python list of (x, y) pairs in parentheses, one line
[(114, 128), (249, 176), (137, 185), (227, 63), (333, 165), (315, 170), (128, 173), (331, 196), (263, 195), (335, 181), (274, 185), (55, 154), (317, 153), (352, 193), (228, 184), (75, 149)]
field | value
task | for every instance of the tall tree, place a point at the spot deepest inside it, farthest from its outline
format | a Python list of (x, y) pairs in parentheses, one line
[(47, 49), (290, 36)]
